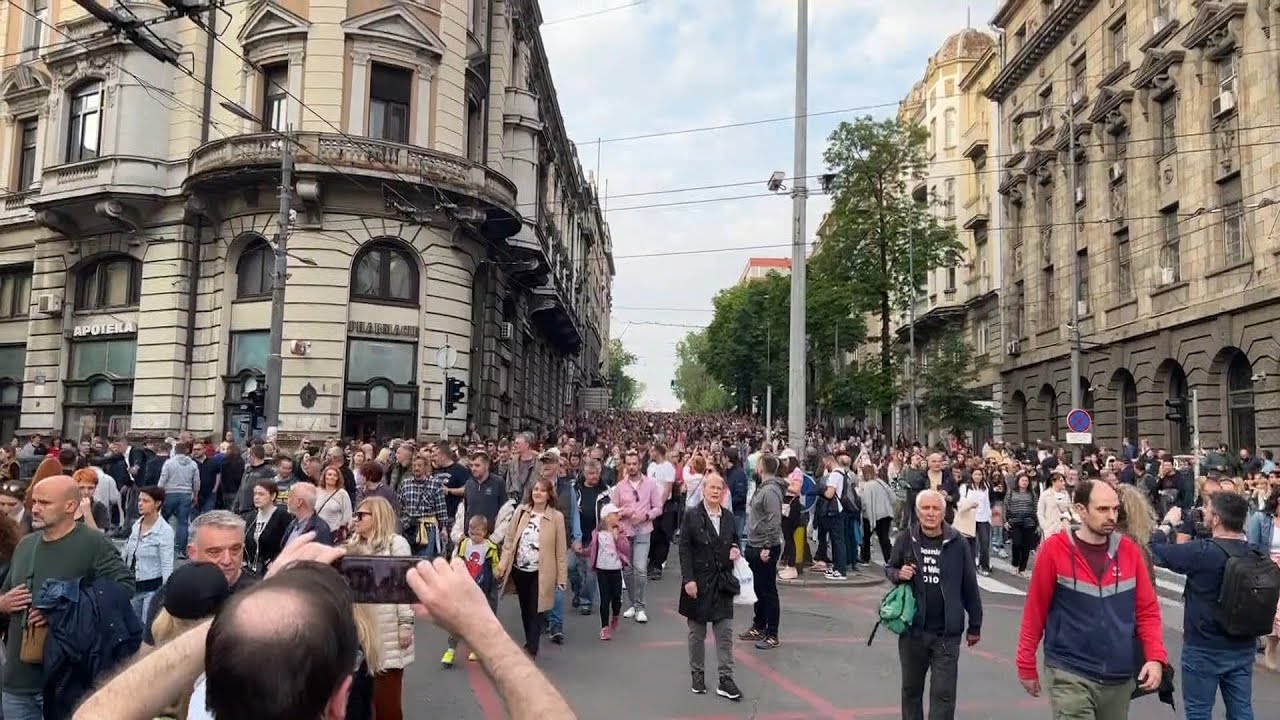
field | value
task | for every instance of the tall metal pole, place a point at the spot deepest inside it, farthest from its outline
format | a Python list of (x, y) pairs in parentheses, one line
[(278, 272), (911, 335), (1073, 332), (799, 196), (1195, 423)]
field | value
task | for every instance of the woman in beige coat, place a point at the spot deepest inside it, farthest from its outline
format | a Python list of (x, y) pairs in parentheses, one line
[(533, 561), (375, 534)]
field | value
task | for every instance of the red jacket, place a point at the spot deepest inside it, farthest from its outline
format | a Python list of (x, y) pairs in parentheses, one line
[(1103, 631)]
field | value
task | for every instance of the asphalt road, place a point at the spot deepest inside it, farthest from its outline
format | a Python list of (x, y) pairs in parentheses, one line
[(823, 670)]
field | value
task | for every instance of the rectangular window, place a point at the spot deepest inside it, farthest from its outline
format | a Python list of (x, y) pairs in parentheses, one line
[(951, 279), (1048, 298), (1079, 81), (1233, 224), (1119, 44), (982, 260), (933, 136), (475, 130), (113, 358), (1164, 10), (15, 291), (1019, 38), (1169, 125), (1228, 69), (1124, 266), (949, 198), (249, 351), (85, 131), (35, 33), (981, 335), (369, 360), (26, 153), (949, 127), (1046, 109), (1170, 250), (389, 94), (275, 97), (1019, 310), (1082, 281)]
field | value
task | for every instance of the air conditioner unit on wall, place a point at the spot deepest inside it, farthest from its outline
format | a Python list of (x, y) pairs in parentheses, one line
[(1013, 347), (1224, 103), (49, 304), (506, 331), (1116, 171)]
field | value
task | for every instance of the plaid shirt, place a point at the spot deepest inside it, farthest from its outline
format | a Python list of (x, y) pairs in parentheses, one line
[(422, 496)]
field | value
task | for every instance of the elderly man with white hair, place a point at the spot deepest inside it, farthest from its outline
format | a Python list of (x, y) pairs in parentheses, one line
[(302, 506), (939, 565)]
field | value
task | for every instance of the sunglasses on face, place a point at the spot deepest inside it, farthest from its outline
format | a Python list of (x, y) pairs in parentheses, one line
[(361, 514)]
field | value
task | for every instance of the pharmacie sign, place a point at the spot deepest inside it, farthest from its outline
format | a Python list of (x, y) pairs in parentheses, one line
[(359, 327), (107, 328)]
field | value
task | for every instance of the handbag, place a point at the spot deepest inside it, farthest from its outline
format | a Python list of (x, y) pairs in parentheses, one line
[(33, 639)]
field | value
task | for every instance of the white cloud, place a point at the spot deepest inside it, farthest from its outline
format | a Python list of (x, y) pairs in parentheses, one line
[(672, 64)]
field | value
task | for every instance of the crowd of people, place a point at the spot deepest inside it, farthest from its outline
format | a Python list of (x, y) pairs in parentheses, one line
[(581, 518)]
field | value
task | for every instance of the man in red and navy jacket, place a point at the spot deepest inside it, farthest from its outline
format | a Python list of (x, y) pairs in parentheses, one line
[(1090, 596)]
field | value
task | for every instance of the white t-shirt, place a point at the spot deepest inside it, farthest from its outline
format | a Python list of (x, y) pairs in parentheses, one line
[(835, 479), (197, 709), (607, 552), (664, 474)]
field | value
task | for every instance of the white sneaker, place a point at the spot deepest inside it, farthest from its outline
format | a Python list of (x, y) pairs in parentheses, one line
[(641, 617), (630, 613)]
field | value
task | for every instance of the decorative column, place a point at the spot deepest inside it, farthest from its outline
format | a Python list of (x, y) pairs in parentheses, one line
[(357, 104), (42, 143), (422, 116), (295, 88), (249, 81), (9, 130)]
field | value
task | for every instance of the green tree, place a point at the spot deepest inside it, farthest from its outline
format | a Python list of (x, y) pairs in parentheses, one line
[(746, 342), (694, 387), (948, 400), (626, 389), (877, 239), (855, 389)]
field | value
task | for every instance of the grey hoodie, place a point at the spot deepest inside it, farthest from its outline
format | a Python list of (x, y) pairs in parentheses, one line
[(764, 515), (180, 475)]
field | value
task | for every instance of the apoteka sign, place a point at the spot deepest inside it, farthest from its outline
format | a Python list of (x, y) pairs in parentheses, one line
[(108, 328)]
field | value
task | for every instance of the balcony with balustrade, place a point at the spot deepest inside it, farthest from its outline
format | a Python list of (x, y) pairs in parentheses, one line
[(470, 190)]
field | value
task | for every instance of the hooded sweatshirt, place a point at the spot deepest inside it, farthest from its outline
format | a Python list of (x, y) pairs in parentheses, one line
[(181, 475), (764, 516)]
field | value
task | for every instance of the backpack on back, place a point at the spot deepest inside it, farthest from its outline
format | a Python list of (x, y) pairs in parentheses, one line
[(849, 500), (1250, 591), (897, 610)]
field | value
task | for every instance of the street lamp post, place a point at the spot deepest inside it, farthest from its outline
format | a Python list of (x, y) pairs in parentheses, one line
[(799, 193)]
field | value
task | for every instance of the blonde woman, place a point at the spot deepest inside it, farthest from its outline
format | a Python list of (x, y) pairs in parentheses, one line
[(1137, 520), (374, 533)]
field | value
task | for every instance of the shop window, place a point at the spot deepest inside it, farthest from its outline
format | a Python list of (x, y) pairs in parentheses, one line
[(254, 270), (389, 95), (15, 291), (99, 388), (384, 272), (381, 391), (27, 133), (111, 358), (84, 133), (112, 281)]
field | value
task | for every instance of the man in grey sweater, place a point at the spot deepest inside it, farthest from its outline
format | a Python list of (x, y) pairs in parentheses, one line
[(764, 545), (180, 479)]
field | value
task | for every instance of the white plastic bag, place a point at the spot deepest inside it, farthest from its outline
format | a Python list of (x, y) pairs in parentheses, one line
[(746, 583)]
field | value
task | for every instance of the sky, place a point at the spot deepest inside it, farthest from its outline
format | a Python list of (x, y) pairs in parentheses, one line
[(624, 68)]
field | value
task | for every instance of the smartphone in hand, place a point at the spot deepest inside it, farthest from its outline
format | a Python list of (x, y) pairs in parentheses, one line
[(379, 579)]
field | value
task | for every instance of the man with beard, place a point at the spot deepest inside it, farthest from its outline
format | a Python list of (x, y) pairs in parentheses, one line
[(1094, 582)]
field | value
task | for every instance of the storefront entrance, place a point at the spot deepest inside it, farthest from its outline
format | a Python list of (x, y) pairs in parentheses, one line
[(99, 384), (381, 394)]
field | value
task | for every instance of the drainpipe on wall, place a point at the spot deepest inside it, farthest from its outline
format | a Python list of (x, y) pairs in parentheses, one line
[(488, 83), (193, 282), (207, 110)]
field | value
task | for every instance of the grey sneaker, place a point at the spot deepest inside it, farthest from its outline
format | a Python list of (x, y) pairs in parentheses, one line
[(699, 685)]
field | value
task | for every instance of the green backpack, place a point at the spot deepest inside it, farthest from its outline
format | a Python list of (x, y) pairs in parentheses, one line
[(897, 610)]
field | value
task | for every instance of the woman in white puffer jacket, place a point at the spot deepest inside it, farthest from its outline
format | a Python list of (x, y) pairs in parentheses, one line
[(374, 527)]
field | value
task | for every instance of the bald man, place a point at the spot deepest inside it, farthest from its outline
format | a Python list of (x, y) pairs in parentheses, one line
[(302, 505), (57, 548)]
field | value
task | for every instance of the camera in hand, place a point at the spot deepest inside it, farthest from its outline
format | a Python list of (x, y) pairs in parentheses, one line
[(379, 579)]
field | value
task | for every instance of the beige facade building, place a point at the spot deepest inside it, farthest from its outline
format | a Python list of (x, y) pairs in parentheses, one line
[(438, 202), (1172, 104), (958, 186), (758, 268)]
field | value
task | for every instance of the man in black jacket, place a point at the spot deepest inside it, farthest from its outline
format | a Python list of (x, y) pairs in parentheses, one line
[(939, 566)]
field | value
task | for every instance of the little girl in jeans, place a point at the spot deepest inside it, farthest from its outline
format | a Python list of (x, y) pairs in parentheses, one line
[(608, 554)]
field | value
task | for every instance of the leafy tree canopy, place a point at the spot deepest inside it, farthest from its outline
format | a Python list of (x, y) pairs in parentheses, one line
[(695, 388), (626, 389)]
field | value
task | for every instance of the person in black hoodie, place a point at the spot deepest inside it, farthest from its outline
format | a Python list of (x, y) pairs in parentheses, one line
[(150, 473), (940, 569), (736, 479)]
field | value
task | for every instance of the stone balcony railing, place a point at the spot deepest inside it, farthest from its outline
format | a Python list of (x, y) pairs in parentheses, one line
[(126, 174), (328, 152)]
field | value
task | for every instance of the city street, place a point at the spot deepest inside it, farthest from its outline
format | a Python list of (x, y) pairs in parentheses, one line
[(823, 670)]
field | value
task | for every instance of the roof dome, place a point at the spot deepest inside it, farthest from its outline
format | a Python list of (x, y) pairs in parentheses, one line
[(968, 44)]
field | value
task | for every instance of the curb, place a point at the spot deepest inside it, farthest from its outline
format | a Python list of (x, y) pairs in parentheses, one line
[(853, 579)]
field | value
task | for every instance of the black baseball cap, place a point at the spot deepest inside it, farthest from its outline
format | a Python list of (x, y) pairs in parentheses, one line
[(195, 591)]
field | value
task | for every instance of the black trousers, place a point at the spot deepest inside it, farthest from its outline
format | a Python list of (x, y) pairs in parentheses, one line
[(881, 530), (764, 579), (1023, 539), (925, 654), (527, 593), (610, 582), (660, 541), (794, 519), (832, 526)]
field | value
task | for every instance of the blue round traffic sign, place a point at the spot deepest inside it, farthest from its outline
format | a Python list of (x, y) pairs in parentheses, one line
[(1078, 420)]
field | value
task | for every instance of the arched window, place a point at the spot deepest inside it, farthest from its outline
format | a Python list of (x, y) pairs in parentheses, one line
[(84, 122), (1020, 417), (385, 272), (1049, 401), (253, 271), (1179, 422), (111, 281), (1128, 407), (1241, 425)]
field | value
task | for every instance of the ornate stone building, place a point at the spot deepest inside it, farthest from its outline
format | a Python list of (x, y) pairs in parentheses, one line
[(437, 201), (1172, 105)]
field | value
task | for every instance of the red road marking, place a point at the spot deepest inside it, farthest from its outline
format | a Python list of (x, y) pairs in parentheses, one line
[(491, 706), (783, 683), (875, 712), (802, 640)]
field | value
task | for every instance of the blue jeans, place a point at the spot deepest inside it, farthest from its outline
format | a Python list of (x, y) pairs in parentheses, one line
[(555, 618), (22, 707), (432, 549), (141, 603), (852, 536), (178, 504), (582, 580), (1205, 671)]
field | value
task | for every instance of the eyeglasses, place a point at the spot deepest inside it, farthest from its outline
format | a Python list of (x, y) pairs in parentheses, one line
[(363, 514)]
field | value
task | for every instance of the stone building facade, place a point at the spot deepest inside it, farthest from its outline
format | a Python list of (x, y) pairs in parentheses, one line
[(437, 201), (958, 185), (1172, 104)]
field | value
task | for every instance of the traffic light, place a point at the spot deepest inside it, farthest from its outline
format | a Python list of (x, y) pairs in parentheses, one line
[(255, 402), (1175, 409), (453, 394)]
